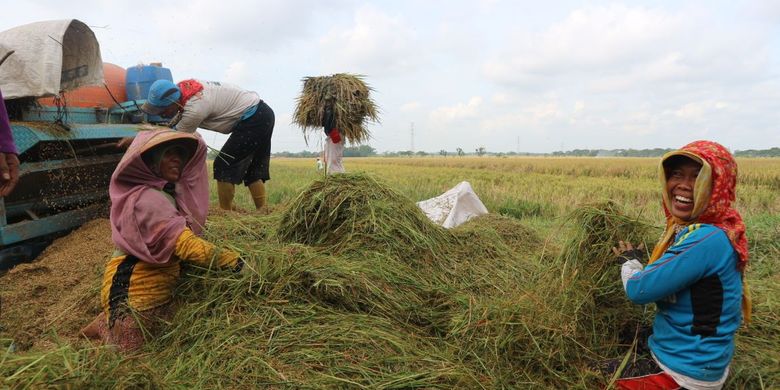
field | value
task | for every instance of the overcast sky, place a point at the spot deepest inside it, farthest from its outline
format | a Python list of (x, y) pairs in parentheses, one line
[(524, 76)]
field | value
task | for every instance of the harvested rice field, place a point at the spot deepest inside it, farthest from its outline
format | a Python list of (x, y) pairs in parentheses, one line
[(348, 285)]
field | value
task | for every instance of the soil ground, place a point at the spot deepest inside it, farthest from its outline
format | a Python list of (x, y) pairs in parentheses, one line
[(58, 293)]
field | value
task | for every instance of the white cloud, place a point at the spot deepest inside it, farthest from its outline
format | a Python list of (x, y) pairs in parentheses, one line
[(244, 24), (765, 10), (648, 74), (666, 69), (579, 107), (603, 74), (410, 107), (528, 118), (501, 98), (238, 73), (596, 38), (618, 48), (376, 44), (697, 111), (543, 111), (443, 115), (637, 123)]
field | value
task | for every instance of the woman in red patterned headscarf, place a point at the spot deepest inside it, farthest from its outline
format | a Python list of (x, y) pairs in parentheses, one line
[(694, 276)]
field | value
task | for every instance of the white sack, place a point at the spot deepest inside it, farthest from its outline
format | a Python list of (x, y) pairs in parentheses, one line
[(453, 207), (49, 57)]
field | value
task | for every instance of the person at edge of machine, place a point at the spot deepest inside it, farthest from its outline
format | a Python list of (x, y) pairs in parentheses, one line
[(9, 156)]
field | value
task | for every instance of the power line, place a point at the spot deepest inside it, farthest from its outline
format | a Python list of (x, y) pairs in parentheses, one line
[(411, 130)]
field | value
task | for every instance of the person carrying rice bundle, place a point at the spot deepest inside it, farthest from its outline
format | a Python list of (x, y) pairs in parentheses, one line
[(227, 109), (159, 200), (334, 148), (340, 104), (694, 276)]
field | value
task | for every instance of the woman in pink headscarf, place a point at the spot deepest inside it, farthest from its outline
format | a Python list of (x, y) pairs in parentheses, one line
[(159, 199)]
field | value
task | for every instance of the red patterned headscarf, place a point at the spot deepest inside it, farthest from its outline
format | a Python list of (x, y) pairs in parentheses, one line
[(714, 193), (724, 182), (188, 89)]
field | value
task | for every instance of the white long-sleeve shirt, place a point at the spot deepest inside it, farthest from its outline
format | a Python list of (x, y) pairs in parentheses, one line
[(217, 107)]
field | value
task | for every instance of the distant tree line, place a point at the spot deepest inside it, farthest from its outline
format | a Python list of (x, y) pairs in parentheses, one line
[(359, 151), (368, 151), (656, 152), (301, 154), (773, 152), (351, 151)]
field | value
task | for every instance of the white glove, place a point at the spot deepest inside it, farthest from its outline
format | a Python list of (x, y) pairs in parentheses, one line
[(628, 270)]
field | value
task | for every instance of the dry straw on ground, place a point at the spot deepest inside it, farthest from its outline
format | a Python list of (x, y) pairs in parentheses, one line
[(349, 286)]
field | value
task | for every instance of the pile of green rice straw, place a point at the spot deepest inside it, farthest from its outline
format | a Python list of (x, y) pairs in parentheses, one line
[(352, 105), (350, 286)]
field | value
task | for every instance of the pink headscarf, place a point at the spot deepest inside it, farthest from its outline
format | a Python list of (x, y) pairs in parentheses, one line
[(144, 222)]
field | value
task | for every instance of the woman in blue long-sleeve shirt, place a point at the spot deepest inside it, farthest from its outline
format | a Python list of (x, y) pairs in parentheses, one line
[(694, 275)]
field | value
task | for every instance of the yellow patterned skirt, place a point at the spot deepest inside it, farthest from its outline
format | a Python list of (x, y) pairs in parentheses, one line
[(130, 284)]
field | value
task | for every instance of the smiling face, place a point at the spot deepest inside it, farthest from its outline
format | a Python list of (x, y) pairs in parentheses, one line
[(681, 177), (172, 163)]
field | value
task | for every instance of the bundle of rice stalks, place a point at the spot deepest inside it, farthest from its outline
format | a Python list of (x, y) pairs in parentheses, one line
[(758, 343), (349, 97), (598, 228), (493, 255), (571, 312), (280, 343), (383, 286), (526, 338), (516, 235), (258, 342), (365, 282), (588, 263), (355, 213), (246, 229), (70, 367)]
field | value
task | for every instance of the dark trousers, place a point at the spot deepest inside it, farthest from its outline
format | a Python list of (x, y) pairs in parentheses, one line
[(247, 153)]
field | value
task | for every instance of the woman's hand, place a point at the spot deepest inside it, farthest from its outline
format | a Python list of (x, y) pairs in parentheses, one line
[(628, 257), (124, 142), (625, 251), (9, 173)]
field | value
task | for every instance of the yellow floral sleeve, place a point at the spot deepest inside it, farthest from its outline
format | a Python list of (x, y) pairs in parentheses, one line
[(196, 250)]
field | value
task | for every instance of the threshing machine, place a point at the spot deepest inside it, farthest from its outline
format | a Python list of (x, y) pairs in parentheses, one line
[(66, 119)]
